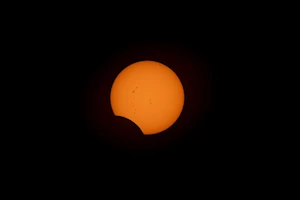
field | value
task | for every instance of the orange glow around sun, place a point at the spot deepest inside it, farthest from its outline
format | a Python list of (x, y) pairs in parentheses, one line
[(149, 94)]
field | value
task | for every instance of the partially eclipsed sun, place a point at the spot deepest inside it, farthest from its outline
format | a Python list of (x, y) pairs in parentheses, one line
[(149, 94)]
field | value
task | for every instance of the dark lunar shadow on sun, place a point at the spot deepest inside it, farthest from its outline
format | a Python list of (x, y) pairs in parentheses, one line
[(125, 135)]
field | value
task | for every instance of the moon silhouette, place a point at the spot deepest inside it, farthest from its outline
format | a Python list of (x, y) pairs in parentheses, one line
[(149, 94), (126, 134)]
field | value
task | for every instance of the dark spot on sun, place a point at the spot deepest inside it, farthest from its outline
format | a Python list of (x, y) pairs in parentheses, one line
[(135, 89)]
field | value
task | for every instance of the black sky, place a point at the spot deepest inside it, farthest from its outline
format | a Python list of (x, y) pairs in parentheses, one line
[(82, 50)]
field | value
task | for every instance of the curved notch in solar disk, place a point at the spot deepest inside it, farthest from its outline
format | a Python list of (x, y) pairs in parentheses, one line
[(149, 94)]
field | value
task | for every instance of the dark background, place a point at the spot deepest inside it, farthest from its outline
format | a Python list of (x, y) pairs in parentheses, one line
[(66, 50), (84, 55), (205, 64)]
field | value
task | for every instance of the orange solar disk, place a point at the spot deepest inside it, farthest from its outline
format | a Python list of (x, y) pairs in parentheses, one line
[(149, 94)]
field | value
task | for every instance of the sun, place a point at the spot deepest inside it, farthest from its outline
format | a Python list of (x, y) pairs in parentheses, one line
[(149, 94)]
